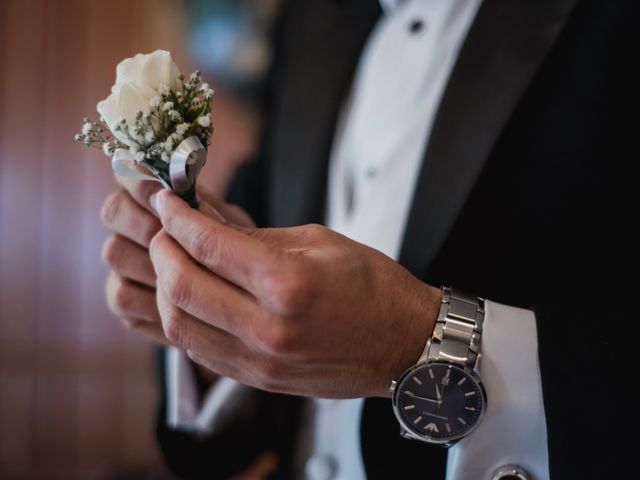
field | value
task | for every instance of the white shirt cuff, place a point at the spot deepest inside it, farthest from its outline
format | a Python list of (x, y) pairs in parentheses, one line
[(513, 430)]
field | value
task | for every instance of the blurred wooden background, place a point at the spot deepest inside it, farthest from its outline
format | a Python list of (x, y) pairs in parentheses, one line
[(77, 394)]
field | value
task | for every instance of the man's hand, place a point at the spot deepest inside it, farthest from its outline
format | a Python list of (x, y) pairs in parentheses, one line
[(299, 310), (130, 288)]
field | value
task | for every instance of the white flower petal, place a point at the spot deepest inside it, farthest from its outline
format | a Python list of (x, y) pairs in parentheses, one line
[(125, 102), (153, 69), (129, 70), (150, 69)]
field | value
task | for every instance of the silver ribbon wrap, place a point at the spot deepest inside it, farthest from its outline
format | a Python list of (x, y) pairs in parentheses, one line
[(185, 165)]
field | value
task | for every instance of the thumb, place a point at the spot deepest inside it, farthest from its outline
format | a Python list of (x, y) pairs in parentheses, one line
[(210, 211), (217, 209)]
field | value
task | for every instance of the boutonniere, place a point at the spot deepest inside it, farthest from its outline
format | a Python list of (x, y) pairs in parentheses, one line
[(156, 119)]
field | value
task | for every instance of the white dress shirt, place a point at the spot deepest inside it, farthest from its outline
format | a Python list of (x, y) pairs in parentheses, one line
[(377, 151)]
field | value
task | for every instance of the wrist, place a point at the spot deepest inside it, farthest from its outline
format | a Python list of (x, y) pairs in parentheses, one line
[(420, 320), (444, 384)]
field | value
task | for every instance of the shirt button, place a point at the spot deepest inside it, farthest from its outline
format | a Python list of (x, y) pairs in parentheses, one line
[(321, 467), (416, 26), (371, 173), (510, 472)]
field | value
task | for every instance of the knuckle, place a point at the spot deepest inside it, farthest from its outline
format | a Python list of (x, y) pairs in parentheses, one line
[(112, 251), (119, 297), (278, 340), (112, 207), (172, 327), (149, 229), (131, 323), (123, 297), (156, 243), (177, 287), (291, 291)]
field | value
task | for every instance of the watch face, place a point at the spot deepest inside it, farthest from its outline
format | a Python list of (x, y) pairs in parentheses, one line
[(439, 402)]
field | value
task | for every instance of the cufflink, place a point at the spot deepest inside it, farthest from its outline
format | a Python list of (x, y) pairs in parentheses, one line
[(510, 472)]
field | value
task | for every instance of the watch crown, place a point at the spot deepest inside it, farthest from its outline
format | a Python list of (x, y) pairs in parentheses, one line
[(393, 386)]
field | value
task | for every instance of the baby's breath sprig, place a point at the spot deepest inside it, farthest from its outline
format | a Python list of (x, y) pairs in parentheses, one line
[(99, 136)]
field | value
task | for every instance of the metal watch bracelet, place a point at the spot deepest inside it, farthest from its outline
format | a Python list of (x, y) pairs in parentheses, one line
[(456, 337)]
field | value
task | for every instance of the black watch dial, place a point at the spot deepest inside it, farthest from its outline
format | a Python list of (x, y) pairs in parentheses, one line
[(439, 402)]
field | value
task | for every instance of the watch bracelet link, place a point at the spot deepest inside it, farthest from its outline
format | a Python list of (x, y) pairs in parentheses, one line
[(458, 330)]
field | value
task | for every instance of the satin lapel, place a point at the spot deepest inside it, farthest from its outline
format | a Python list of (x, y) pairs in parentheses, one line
[(502, 52), (322, 44)]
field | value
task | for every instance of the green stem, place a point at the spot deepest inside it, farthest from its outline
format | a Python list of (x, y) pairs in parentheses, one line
[(191, 197)]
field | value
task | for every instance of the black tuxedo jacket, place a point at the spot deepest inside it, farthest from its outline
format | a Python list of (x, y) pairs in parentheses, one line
[(524, 197)]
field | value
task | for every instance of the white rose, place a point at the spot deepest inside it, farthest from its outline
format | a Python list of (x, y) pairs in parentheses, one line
[(137, 82)]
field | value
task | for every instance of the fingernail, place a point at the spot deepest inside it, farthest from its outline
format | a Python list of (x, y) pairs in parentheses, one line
[(153, 201)]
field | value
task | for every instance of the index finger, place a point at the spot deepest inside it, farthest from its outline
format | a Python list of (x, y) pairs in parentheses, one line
[(226, 251), (140, 190), (143, 190)]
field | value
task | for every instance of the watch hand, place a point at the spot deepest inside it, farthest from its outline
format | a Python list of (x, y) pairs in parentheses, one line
[(438, 393), (413, 395)]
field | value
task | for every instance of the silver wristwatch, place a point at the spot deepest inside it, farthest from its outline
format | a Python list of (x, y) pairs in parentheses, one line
[(441, 398)]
